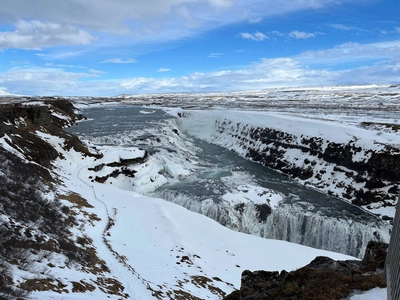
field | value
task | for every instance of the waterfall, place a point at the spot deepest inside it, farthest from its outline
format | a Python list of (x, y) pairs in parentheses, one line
[(171, 147), (290, 222)]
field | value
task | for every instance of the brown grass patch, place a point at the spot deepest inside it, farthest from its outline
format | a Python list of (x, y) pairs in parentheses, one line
[(206, 283), (92, 263), (82, 287), (79, 203), (111, 286), (76, 199), (45, 284), (181, 295)]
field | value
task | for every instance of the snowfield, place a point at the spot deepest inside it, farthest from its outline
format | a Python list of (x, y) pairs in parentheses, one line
[(374, 294), (155, 249), (158, 246)]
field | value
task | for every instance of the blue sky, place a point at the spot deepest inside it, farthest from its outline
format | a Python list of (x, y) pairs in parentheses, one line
[(110, 47)]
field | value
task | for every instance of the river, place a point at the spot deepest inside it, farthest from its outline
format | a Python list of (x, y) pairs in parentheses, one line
[(304, 216)]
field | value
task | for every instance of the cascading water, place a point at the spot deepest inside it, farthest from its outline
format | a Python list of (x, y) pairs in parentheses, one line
[(304, 216), (289, 222), (295, 224)]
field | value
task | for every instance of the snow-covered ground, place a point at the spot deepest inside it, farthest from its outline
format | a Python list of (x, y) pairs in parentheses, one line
[(232, 196), (374, 294), (160, 246), (157, 248)]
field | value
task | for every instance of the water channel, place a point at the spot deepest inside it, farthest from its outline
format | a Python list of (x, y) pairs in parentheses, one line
[(305, 216)]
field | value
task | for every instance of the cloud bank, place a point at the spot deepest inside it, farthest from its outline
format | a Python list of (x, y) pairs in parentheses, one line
[(145, 20), (74, 44), (37, 35), (275, 72)]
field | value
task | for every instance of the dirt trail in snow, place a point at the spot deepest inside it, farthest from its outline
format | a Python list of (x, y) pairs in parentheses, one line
[(136, 286)]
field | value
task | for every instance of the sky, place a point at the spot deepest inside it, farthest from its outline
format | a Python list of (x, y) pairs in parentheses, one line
[(112, 47)]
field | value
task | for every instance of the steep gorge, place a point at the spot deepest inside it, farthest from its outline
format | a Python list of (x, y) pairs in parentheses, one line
[(350, 169)]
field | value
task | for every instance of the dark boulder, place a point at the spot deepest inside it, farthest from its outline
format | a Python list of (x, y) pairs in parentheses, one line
[(322, 279)]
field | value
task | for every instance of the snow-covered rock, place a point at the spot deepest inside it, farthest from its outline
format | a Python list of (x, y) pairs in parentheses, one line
[(349, 162)]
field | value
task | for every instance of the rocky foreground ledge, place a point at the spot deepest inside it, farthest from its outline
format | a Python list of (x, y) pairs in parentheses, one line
[(322, 279)]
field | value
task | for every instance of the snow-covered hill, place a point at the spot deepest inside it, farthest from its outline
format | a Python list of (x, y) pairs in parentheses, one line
[(168, 248), (135, 247), (150, 248)]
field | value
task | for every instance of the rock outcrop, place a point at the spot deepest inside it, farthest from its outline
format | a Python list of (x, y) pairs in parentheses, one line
[(323, 278), (38, 222), (368, 170), (357, 164), (22, 124)]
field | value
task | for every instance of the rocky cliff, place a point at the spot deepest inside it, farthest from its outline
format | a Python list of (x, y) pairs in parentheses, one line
[(365, 172), (350, 162), (323, 278), (20, 123), (39, 221)]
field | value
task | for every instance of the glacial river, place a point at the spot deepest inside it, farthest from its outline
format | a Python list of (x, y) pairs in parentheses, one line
[(305, 216)]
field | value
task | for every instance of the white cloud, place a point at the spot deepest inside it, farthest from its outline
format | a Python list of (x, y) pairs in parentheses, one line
[(345, 27), (164, 70), (63, 66), (3, 92), (221, 3), (37, 35), (353, 52), (96, 72), (397, 29), (255, 20), (257, 36), (215, 55), (301, 34), (266, 72), (139, 17), (42, 81), (379, 63), (278, 33), (154, 20), (62, 54), (121, 61)]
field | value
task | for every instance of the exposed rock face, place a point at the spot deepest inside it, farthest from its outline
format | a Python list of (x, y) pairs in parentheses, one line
[(323, 278), (344, 170), (45, 113), (34, 223), (254, 284), (129, 161), (21, 122), (121, 167), (124, 171)]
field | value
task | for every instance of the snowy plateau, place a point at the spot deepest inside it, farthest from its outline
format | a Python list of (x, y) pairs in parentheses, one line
[(139, 239)]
